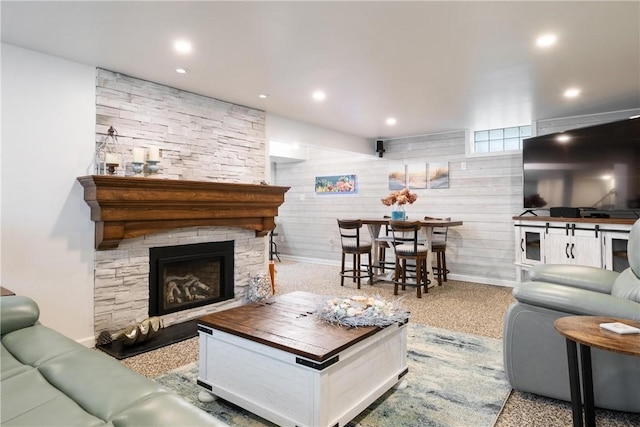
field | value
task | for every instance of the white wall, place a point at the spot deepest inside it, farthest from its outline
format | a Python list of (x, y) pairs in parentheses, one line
[(48, 133), (484, 193), (290, 131)]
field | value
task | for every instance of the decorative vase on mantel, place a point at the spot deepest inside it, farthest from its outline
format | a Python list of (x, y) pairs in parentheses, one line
[(398, 213)]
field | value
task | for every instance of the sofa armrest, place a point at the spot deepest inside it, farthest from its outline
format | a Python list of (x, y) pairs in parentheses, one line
[(577, 276), (574, 301), (17, 312)]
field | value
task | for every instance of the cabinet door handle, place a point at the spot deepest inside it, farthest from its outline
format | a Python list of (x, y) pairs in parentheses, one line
[(522, 244), (572, 246), (566, 250)]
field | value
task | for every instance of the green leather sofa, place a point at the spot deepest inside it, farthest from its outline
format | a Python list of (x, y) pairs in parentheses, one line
[(48, 379)]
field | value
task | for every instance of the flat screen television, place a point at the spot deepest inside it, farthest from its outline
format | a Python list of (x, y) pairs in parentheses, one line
[(595, 168)]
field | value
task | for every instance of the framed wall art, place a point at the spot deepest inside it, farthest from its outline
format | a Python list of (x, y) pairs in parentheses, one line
[(417, 176), (397, 176), (337, 184), (438, 175)]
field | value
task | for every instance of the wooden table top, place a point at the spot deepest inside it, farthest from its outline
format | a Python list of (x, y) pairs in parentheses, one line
[(425, 222), (287, 322), (586, 330)]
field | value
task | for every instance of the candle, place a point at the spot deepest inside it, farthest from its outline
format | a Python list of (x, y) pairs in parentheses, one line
[(154, 154), (111, 159), (138, 155)]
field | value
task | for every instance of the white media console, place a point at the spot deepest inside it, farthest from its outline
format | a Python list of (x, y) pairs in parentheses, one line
[(596, 242)]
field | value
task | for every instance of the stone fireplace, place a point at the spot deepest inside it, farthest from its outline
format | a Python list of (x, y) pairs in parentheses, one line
[(190, 276), (136, 217), (207, 190)]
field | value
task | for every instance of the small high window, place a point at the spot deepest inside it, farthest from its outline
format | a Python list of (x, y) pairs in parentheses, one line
[(503, 139)]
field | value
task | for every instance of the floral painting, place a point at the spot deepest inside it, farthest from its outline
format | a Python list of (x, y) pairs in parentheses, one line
[(439, 175), (338, 184)]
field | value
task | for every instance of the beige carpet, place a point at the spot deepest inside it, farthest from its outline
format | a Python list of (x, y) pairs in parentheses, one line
[(460, 306)]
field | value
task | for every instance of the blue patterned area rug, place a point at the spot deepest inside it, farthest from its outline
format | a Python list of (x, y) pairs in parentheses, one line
[(454, 380)]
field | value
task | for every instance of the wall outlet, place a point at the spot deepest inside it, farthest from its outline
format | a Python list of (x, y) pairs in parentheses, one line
[(463, 166)]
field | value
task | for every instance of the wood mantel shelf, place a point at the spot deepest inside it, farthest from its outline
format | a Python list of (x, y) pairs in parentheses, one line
[(126, 207)]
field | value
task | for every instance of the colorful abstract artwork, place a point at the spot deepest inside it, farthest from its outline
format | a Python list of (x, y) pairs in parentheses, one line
[(338, 184)]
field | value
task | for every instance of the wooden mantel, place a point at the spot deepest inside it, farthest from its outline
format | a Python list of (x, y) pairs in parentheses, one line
[(126, 207)]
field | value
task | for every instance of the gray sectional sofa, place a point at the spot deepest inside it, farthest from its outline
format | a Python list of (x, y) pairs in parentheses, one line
[(535, 355), (48, 379)]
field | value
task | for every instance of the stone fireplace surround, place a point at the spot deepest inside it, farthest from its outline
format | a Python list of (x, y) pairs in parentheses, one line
[(200, 139), (155, 209), (122, 275)]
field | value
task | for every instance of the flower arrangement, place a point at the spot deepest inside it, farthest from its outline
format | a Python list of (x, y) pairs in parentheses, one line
[(362, 311), (400, 198)]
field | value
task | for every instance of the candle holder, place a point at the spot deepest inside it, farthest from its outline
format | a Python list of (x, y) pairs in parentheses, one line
[(108, 155), (112, 168), (152, 166), (137, 168)]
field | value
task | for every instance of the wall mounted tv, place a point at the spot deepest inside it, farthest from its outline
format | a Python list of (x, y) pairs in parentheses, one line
[(595, 168)]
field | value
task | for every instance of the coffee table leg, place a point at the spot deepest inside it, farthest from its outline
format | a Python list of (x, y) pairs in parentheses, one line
[(587, 386), (205, 396), (574, 382)]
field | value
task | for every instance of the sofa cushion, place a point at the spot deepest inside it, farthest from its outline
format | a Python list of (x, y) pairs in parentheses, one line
[(167, 410), (29, 399), (9, 365), (17, 312), (627, 286)]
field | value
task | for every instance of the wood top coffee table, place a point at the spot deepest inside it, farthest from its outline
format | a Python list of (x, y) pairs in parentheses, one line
[(586, 331), (281, 362)]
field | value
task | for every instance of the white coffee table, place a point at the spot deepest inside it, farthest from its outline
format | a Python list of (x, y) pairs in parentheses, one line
[(278, 361)]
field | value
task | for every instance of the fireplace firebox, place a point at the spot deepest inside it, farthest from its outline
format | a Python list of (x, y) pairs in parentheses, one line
[(189, 276)]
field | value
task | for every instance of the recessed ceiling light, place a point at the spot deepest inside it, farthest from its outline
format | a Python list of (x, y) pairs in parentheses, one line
[(182, 70), (571, 93), (391, 121), (563, 138), (263, 96), (182, 46), (546, 40), (319, 95)]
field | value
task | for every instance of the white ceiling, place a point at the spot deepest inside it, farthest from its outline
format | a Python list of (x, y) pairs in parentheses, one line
[(435, 66)]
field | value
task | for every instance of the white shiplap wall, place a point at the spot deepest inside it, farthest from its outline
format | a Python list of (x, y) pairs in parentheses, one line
[(485, 195)]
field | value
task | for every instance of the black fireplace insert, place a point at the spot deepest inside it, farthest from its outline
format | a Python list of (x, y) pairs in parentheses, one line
[(189, 276)]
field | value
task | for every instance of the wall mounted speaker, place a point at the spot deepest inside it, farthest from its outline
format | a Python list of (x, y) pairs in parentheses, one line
[(379, 148)]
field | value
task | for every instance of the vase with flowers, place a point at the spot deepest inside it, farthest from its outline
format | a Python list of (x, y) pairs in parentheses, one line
[(397, 200)]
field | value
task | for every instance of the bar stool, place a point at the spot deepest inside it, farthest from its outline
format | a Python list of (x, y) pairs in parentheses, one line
[(408, 248), (439, 249), (351, 244)]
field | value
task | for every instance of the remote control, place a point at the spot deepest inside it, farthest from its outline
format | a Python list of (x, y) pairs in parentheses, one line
[(620, 328)]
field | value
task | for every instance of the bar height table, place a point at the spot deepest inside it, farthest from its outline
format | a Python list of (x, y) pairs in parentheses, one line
[(374, 225)]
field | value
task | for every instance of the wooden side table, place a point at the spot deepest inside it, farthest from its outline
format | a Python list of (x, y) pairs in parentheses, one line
[(586, 331)]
